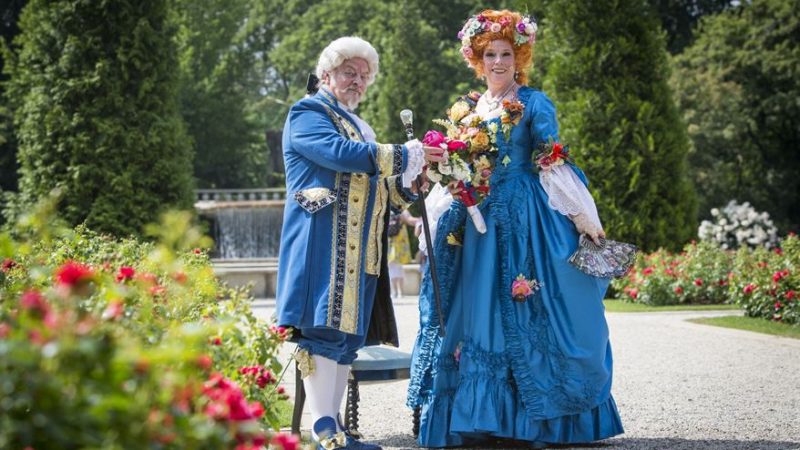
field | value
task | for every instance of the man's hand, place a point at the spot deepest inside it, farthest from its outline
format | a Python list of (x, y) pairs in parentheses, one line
[(587, 227), (421, 184), (454, 188), (435, 154)]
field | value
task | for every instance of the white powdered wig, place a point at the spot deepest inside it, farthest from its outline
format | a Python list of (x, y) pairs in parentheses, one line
[(346, 48)]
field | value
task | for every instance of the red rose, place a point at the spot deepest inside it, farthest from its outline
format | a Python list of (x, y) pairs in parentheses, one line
[(7, 265), (204, 362), (125, 273), (790, 294), (749, 288), (698, 282), (456, 145), (647, 271), (286, 441), (72, 273), (678, 290), (33, 300)]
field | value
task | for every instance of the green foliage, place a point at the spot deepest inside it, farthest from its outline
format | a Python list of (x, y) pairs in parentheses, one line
[(698, 275), (679, 18), (764, 283), (767, 283), (93, 88), (219, 45), (116, 344), (419, 64), (737, 87), (606, 71)]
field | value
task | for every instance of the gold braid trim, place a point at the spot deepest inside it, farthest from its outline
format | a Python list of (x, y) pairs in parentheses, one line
[(390, 159), (305, 363)]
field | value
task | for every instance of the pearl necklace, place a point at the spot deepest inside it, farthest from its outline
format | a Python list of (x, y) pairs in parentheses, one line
[(494, 102)]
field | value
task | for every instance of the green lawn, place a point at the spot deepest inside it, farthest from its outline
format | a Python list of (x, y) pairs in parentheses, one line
[(620, 306), (756, 324)]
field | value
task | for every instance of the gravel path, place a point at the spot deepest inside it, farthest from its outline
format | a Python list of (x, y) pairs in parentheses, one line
[(677, 384)]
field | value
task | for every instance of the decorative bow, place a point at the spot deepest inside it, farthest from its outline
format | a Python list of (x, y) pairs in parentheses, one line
[(338, 440)]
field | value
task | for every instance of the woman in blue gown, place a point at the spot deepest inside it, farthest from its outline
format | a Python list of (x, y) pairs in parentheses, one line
[(535, 367)]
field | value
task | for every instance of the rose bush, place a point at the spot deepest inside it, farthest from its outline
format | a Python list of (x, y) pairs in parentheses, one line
[(765, 283), (119, 344)]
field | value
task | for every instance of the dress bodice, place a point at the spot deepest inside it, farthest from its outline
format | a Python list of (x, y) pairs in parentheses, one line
[(538, 124)]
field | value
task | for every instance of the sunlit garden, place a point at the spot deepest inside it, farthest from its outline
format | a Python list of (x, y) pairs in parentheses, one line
[(115, 332)]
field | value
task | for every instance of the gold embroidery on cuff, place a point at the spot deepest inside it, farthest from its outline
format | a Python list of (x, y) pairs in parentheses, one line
[(386, 159)]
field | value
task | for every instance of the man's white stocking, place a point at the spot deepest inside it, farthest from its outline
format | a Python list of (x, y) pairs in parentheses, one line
[(321, 390), (342, 375)]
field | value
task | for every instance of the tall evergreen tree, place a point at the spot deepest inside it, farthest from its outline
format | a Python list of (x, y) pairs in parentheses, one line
[(738, 88), (9, 15), (219, 44), (607, 73), (94, 92)]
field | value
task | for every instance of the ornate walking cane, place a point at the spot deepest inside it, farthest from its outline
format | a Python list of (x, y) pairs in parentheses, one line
[(408, 122)]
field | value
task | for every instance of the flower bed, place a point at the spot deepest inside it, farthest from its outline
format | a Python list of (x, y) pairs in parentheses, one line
[(763, 282), (119, 344)]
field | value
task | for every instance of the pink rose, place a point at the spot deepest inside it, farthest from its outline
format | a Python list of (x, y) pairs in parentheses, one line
[(495, 27), (521, 289), (114, 310), (467, 52), (433, 138)]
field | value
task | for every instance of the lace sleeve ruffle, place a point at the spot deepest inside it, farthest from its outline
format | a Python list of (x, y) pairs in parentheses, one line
[(567, 194), (416, 160)]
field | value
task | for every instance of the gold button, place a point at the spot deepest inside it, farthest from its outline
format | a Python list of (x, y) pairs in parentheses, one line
[(352, 247), (355, 199), (351, 271), (354, 223)]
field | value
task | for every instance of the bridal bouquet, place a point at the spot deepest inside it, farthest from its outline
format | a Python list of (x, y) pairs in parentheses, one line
[(471, 144)]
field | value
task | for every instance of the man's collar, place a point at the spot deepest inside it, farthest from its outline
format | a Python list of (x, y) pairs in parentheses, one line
[(328, 96)]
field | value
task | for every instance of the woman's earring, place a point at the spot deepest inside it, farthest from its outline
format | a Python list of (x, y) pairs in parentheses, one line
[(516, 74)]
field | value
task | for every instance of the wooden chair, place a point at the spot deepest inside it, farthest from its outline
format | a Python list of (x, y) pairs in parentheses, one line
[(374, 364)]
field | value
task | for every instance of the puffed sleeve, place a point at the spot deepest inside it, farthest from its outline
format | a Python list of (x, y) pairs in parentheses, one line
[(565, 185)]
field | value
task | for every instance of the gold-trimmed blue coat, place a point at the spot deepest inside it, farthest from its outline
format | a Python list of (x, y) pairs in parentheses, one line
[(338, 188)]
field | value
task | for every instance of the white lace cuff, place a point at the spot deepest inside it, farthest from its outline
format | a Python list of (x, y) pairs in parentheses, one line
[(567, 194), (416, 159)]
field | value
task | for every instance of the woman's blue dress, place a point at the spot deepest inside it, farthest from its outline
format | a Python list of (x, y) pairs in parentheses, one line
[(538, 370)]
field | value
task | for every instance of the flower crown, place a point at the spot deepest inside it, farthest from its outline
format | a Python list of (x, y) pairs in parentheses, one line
[(524, 30)]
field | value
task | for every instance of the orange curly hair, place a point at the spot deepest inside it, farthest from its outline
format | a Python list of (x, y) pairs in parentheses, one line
[(523, 53)]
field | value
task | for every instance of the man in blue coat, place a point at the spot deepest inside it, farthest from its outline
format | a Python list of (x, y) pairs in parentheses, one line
[(339, 184)]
